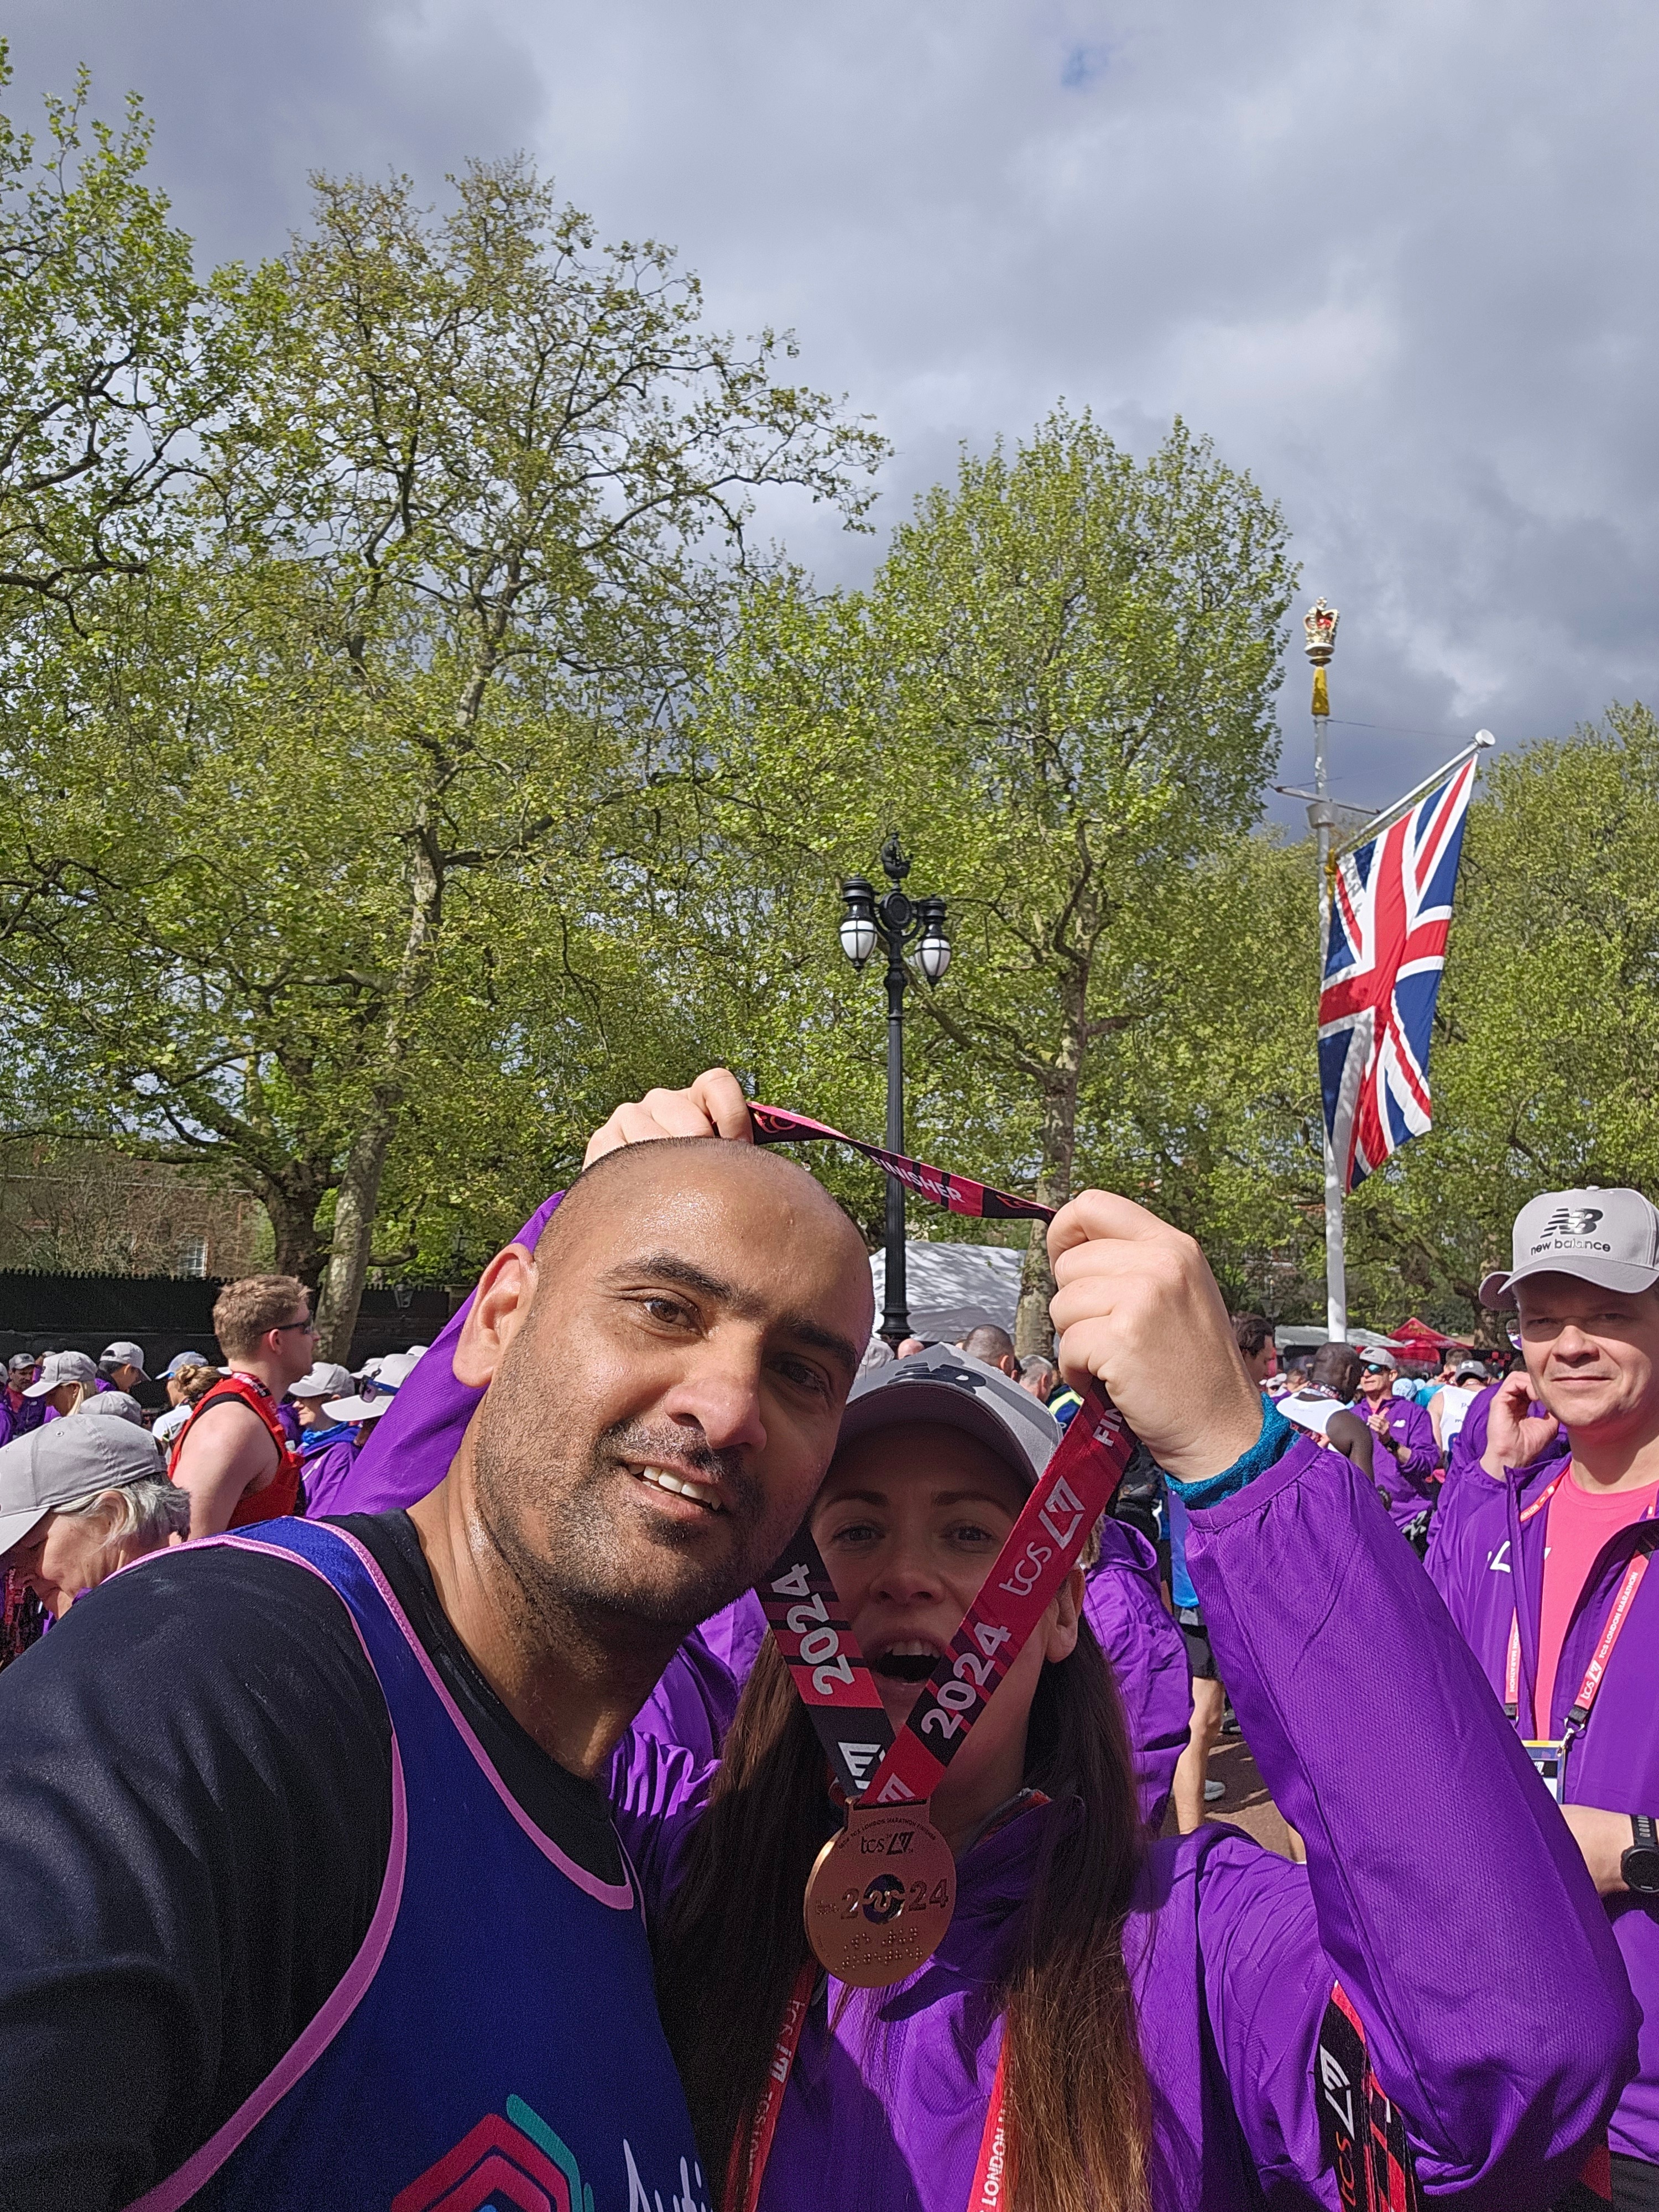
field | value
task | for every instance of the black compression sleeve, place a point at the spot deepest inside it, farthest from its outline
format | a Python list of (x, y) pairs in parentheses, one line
[(195, 1812)]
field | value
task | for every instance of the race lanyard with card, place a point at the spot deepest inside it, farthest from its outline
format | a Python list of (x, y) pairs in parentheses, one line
[(880, 1896), (1549, 1755)]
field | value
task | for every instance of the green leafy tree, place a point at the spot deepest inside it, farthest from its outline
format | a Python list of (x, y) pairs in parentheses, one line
[(1059, 689), (463, 540), (110, 355)]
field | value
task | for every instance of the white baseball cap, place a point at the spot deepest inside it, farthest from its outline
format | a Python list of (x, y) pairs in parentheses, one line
[(59, 1368), (391, 1373), (64, 1461), (1610, 1237)]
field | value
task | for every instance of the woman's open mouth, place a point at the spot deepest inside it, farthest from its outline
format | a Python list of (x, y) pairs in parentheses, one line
[(906, 1659)]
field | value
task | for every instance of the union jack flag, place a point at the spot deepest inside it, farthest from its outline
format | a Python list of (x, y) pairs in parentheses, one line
[(1390, 903)]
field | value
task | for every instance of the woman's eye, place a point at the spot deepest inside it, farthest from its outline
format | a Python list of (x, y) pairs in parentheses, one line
[(969, 1531), (857, 1532)]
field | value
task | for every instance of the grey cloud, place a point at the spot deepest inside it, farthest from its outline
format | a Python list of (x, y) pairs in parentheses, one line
[(1400, 262)]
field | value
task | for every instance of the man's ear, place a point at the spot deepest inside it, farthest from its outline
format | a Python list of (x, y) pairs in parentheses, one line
[(500, 1307)]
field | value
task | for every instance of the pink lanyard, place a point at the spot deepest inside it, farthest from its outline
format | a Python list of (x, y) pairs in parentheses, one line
[(1579, 1712), (752, 2148)]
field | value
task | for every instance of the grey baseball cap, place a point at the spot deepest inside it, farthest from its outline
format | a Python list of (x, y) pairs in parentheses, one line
[(122, 1353), (325, 1380), (21, 1359), (119, 1405), (64, 1461), (1605, 1236), (59, 1368), (960, 1392)]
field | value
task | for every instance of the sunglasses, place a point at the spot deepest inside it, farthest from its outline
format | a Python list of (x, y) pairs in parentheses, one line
[(289, 1328)]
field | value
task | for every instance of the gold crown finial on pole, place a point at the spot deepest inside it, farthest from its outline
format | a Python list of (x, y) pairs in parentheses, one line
[(1319, 626)]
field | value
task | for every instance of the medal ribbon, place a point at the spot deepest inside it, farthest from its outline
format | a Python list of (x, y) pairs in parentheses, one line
[(1039, 1551)]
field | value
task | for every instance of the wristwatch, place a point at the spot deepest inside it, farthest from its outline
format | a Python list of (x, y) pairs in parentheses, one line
[(1639, 1866)]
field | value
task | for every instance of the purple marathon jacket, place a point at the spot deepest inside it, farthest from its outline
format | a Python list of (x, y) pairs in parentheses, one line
[(1504, 2035), (1409, 1481), (1488, 1565)]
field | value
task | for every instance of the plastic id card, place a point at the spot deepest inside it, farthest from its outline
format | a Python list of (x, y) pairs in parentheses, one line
[(1551, 1761)]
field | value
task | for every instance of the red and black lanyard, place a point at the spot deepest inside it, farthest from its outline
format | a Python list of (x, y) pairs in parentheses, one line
[(1043, 1545)]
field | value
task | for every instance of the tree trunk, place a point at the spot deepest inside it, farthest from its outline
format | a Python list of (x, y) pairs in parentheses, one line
[(358, 1193), (1033, 1331), (293, 1210), (356, 1199)]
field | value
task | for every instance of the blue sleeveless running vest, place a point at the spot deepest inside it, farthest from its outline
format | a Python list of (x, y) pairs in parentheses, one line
[(495, 2046)]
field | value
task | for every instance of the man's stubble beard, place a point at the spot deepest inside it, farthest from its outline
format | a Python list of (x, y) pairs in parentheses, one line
[(554, 1528)]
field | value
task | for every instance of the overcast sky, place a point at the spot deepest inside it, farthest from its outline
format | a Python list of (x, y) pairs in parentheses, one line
[(1396, 258)]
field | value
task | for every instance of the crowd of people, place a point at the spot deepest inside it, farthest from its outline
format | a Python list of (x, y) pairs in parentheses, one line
[(281, 1444), (448, 1846)]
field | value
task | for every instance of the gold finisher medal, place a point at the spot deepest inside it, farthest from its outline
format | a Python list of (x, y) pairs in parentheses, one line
[(880, 1895)]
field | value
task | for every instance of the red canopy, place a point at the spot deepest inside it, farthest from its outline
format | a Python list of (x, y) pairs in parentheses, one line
[(1413, 1333)]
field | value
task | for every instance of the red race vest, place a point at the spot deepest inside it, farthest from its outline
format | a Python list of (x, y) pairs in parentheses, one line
[(281, 1493)]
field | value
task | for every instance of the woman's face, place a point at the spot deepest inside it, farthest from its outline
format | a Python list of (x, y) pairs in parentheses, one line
[(68, 1552), (909, 1520)]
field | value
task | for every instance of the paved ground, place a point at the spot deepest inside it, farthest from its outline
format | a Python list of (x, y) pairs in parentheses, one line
[(1247, 1803)]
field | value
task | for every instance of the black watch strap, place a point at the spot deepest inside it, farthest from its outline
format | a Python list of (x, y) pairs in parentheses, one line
[(1639, 1867)]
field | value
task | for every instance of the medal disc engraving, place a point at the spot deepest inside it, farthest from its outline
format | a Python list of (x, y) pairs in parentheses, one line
[(880, 1895)]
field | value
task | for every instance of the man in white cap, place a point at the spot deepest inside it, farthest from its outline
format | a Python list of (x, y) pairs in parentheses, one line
[(1403, 1455), (1547, 1575)]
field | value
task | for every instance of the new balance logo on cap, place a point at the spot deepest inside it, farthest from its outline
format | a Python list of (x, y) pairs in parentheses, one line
[(1573, 1221), (1608, 1238)]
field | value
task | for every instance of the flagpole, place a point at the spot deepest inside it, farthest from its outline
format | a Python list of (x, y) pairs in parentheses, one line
[(1390, 815), (1318, 625)]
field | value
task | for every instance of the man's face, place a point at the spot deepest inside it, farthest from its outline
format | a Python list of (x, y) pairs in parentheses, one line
[(295, 1345), (1262, 1365), (1375, 1383), (1593, 1354), (20, 1377), (661, 1419)]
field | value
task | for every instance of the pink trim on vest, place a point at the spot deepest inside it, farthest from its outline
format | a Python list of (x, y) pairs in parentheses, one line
[(347, 1992), (618, 1895)]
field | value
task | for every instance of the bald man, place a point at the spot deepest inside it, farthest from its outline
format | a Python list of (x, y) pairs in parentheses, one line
[(310, 1896)]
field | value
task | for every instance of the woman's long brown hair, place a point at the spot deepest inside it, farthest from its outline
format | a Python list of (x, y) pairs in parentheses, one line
[(731, 1943)]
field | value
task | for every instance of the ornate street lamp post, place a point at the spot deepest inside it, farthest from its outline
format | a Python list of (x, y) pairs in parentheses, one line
[(896, 921)]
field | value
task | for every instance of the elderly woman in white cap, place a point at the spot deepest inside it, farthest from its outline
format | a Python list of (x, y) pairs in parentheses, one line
[(78, 1500)]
